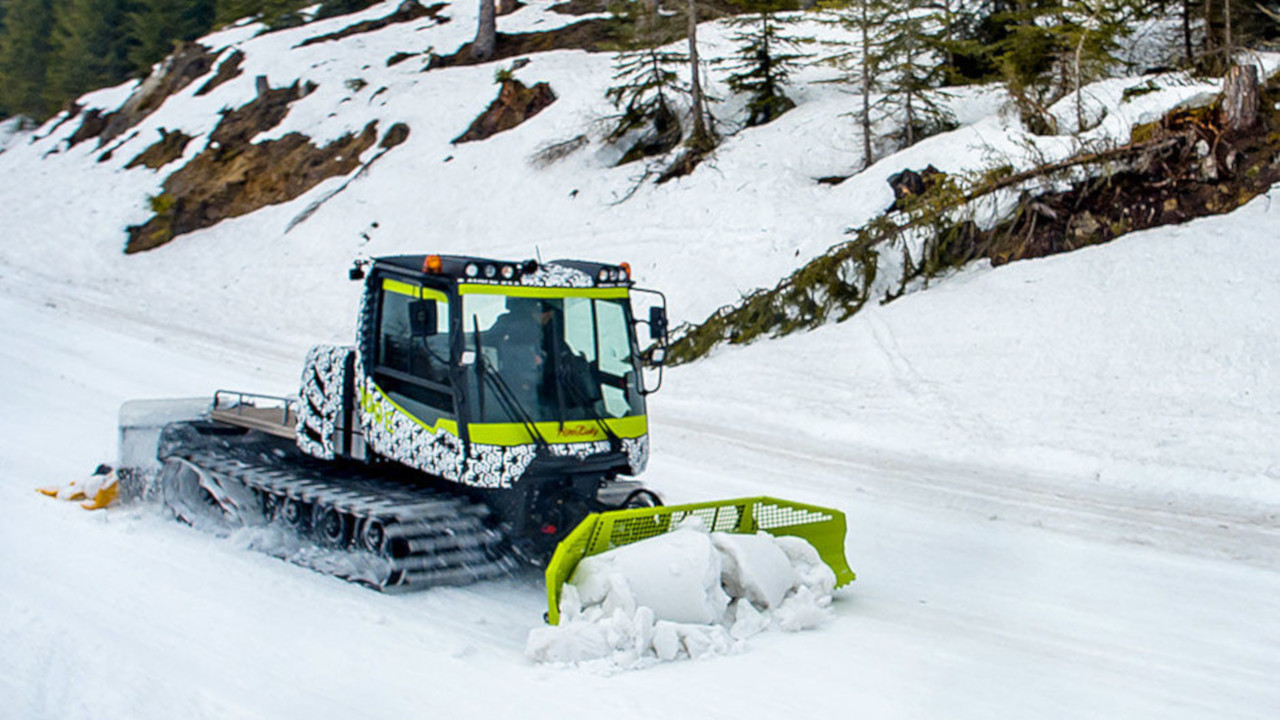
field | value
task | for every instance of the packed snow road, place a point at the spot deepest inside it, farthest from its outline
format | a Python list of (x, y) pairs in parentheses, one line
[(1075, 568)]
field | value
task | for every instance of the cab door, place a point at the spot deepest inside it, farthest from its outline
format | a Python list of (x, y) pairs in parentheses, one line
[(412, 347)]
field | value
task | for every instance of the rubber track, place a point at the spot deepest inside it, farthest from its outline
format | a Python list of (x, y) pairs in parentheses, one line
[(427, 537)]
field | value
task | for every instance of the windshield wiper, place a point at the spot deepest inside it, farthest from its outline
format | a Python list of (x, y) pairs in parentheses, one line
[(503, 391)]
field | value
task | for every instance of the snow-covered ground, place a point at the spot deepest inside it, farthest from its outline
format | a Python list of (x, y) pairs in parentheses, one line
[(1061, 481), (1062, 477)]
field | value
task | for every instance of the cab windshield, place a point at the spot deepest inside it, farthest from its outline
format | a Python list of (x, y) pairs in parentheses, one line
[(550, 358)]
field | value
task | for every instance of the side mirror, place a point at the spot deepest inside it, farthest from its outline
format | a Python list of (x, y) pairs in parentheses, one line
[(357, 270), (657, 323), (422, 318)]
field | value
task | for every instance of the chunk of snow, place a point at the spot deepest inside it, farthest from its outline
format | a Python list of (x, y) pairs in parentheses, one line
[(686, 594), (676, 575), (755, 568)]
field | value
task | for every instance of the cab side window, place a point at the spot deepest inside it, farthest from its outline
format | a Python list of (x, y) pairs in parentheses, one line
[(412, 353)]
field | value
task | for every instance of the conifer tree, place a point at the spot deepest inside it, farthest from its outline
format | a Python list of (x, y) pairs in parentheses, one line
[(767, 55), (860, 60), (24, 55), (702, 137), (912, 62), (89, 48), (1055, 47), (646, 87), (156, 25), (228, 11), (275, 14)]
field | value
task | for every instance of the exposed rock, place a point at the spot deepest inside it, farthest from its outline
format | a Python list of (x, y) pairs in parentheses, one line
[(241, 125), (188, 62), (400, 57), (515, 104), (709, 8), (594, 35), (910, 183), (408, 11), (1083, 227), (92, 123), (233, 177), (215, 186), (395, 135), (168, 148), (579, 7), (227, 70)]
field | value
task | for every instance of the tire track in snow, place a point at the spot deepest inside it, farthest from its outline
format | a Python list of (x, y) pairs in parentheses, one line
[(1208, 527)]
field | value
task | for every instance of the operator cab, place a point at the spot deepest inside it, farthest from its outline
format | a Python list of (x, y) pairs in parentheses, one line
[(514, 370)]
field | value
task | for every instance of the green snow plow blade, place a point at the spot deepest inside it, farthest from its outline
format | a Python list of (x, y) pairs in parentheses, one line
[(823, 528)]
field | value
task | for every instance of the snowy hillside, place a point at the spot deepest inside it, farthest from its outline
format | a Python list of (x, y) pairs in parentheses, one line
[(756, 207), (1065, 509), (1062, 476)]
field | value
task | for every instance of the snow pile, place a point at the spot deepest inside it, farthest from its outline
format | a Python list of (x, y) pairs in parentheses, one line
[(685, 594)]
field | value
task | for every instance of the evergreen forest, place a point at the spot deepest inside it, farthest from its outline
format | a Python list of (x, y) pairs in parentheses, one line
[(903, 55), (53, 51)]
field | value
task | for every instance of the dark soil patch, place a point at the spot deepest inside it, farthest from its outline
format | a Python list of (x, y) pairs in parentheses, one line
[(1186, 165), (595, 35), (92, 123), (515, 104), (408, 11), (227, 70), (179, 70), (580, 7), (215, 186), (190, 61), (168, 148), (592, 35), (402, 56), (232, 177), (240, 125), (1193, 169)]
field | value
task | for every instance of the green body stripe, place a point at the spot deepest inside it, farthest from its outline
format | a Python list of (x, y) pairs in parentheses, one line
[(404, 288), (573, 431)]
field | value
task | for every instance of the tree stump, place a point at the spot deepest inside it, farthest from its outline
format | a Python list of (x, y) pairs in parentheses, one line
[(1240, 98)]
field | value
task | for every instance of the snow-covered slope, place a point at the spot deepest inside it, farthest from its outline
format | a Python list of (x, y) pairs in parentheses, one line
[(1061, 480), (755, 208), (1062, 476)]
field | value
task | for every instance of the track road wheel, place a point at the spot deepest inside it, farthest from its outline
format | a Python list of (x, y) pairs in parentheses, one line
[(371, 536), (294, 514), (332, 528)]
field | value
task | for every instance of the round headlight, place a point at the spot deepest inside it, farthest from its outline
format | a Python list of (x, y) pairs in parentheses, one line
[(472, 270), (613, 275), (508, 272), (603, 274), (623, 273), (490, 271)]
